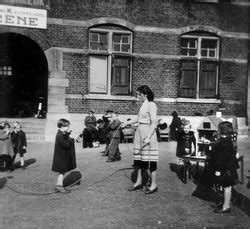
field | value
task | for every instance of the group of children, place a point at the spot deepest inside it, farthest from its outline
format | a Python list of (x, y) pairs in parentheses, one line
[(12, 143), (221, 166)]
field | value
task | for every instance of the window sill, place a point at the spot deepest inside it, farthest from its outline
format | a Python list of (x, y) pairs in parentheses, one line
[(189, 100), (110, 97)]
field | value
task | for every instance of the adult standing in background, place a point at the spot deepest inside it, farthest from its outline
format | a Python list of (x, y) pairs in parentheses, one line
[(174, 126), (145, 141)]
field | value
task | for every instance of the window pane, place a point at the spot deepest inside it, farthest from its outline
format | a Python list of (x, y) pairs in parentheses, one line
[(120, 82), (184, 52), (211, 53), (208, 78), (125, 39), (204, 52), (117, 38), (98, 74), (99, 41), (125, 48), (184, 43), (94, 45), (103, 38), (117, 47), (192, 43), (94, 37), (192, 52), (189, 46), (208, 44), (103, 47), (121, 62), (188, 79)]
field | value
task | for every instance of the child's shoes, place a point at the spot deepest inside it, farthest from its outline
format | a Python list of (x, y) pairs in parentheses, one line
[(61, 189)]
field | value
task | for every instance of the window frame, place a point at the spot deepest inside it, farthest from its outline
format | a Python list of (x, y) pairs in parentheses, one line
[(200, 59), (111, 54)]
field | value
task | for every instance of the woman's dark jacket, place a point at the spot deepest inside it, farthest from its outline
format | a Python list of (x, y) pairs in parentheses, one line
[(184, 141), (64, 158), (19, 141)]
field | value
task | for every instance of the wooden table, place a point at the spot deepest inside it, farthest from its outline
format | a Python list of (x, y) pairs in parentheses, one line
[(187, 171)]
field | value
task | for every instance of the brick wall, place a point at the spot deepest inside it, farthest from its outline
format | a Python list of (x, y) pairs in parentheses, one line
[(159, 13), (161, 74), (76, 68)]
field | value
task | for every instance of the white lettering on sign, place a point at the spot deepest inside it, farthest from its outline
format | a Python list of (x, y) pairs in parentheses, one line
[(23, 17)]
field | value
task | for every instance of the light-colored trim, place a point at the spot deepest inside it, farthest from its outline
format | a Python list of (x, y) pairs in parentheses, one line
[(147, 29), (165, 100), (130, 98), (188, 100), (100, 97), (149, 55), (233, 102)]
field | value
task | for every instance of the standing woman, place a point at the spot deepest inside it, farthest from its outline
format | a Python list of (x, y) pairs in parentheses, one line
[(145, 141)]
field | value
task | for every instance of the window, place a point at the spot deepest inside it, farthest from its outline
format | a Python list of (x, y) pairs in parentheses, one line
[(5, 71), (199, 66), (110, 62)]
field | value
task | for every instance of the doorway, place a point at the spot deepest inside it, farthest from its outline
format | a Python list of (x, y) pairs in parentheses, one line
[(23, 76)]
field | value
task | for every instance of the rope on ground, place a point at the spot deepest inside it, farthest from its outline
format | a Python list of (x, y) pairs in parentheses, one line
[(19, 189)]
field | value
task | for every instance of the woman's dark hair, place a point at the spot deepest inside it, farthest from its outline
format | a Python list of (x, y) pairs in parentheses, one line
[(226, 128), (63, 122), (145, 90)]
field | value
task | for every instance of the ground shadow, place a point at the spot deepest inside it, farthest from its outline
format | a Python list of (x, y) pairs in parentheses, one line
[(210, 193), (73, 178), (28, 162), (241, 201), (3, 181), (192, 175)]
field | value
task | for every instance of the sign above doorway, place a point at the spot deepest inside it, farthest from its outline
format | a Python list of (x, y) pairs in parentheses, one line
[(28, 3), (23, 17)]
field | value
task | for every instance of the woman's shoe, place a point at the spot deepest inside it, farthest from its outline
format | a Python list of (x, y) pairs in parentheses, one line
[(133, 188), (149, 191), (222, 210)]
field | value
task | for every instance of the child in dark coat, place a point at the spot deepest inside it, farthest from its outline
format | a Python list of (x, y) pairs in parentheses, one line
[(114, 137), (64, 158), (19, 143), (223, 165)]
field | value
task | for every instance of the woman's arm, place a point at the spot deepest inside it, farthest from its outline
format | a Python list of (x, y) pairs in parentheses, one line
[(133, 121), (153, 118)]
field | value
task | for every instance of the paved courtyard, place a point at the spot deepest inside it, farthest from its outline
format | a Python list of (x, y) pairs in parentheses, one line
[(103, 201)]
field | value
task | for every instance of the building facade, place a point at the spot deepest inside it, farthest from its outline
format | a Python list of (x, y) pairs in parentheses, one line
[(93, 54)]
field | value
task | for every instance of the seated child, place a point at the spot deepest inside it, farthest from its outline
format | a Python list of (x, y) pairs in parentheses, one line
[(64, 158), (114, 137), (19, 143), (186, 141)]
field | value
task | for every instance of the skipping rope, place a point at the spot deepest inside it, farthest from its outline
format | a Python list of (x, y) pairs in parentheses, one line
[(19, 189)]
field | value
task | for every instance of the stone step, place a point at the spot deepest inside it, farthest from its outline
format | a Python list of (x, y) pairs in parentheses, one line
[(56, 90), (35, 138), (57, 109), (33, 128)]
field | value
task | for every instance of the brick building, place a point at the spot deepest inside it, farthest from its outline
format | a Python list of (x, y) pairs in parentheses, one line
[(93, 54)]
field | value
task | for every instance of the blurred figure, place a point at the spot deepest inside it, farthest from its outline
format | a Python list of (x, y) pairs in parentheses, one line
[(175, 126)]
